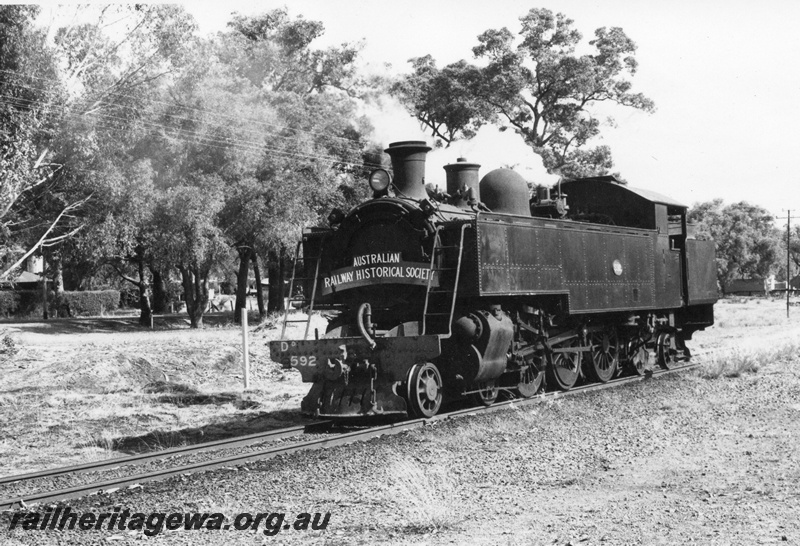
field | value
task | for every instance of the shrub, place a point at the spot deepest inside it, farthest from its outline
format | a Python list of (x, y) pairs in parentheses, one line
[(89, 303), (8, 348), (28, 303), (9, 302), (20, 303)]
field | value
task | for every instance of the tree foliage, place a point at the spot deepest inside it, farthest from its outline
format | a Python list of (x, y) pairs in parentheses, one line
[(189, 238), (30, 95), (748, 245), (444, 100), (312, 142), (538, 85)]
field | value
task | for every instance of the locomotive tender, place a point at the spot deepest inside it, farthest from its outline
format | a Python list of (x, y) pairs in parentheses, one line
[(487, 289)]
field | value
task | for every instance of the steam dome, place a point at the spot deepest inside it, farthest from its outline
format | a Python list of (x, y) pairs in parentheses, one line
[(504, 191)]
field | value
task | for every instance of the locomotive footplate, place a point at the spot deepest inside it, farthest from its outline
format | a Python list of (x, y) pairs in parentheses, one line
[(350, 378)]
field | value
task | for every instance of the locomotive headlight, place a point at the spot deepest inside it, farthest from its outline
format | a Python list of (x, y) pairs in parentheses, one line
[(379, 181)]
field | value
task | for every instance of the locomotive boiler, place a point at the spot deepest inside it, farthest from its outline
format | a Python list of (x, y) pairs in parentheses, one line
[(486, 288)]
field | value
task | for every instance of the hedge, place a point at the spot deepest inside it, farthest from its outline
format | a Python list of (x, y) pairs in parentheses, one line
[(9, 302), (20, 302), (90, 303), (28, 303)]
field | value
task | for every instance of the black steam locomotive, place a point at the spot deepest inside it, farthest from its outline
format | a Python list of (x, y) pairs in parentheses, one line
[(487, 289)]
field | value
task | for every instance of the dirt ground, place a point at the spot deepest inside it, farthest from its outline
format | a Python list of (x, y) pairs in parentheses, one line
[(78, 390), (710, 456), (88, 389)]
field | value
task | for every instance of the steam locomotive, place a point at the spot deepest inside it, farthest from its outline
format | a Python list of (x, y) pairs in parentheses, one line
[(487, 289)]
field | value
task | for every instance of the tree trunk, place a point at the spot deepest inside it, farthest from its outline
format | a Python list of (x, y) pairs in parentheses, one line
[(195, 288), (45, 315), (160, 295), (241, 283), (58, 275), (259, 289), (146, 315), (275, 272), (60, 307)]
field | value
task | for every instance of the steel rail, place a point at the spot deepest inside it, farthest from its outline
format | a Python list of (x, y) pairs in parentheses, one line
[(554, 395), (112, 485), (105, 464)]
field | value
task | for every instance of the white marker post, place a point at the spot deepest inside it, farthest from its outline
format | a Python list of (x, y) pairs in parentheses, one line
[(245, 350)]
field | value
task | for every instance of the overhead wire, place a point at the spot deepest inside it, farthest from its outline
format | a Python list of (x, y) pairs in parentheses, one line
[(195, 108), (195, 120), (227, 142), (186, 134), (353, 149)]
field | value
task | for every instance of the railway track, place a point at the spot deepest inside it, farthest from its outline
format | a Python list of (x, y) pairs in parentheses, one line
[(114, 484), (142, 458)]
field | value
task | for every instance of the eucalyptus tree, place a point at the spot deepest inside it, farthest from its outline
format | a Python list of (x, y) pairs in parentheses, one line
[(794, 249), (110, 131), (444, 101), (537, 84), (188, 236), (310, 147), (748, 244), (31, 96)]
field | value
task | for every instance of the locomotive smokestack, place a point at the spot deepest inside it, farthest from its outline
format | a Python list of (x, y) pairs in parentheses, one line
[(408, 164), (460, 177)]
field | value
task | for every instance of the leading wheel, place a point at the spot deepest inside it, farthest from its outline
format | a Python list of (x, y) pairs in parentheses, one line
[(424, 390), (602, 362), (565, 368), (665, 350), (487, 393)]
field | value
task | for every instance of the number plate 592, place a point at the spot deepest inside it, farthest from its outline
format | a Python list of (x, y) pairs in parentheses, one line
[(310, 361)]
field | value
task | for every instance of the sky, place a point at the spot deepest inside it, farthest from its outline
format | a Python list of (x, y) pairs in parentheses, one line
[(724, 76)]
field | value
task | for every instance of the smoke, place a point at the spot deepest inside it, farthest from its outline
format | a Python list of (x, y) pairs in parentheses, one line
[(490, 148)]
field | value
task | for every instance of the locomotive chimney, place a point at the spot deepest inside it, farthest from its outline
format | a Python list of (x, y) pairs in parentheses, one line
[(408, 164), (461, 176)]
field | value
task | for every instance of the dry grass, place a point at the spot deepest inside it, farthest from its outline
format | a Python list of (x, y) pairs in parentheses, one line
[(94, 389), (732, 364), (739, 361), (753, 312), (424, 494)]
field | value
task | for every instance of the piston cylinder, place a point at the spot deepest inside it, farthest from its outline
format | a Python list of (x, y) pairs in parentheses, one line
[(489, 334)]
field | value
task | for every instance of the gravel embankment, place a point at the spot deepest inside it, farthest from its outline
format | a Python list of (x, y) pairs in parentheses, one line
[(669, 461)]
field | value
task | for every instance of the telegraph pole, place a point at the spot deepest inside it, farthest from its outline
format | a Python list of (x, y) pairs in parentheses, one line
[(788, 258)]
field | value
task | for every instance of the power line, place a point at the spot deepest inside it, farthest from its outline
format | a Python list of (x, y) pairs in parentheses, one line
[(30, 102), (195, 108), (358, 150), (187, 135), (354, 149)]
